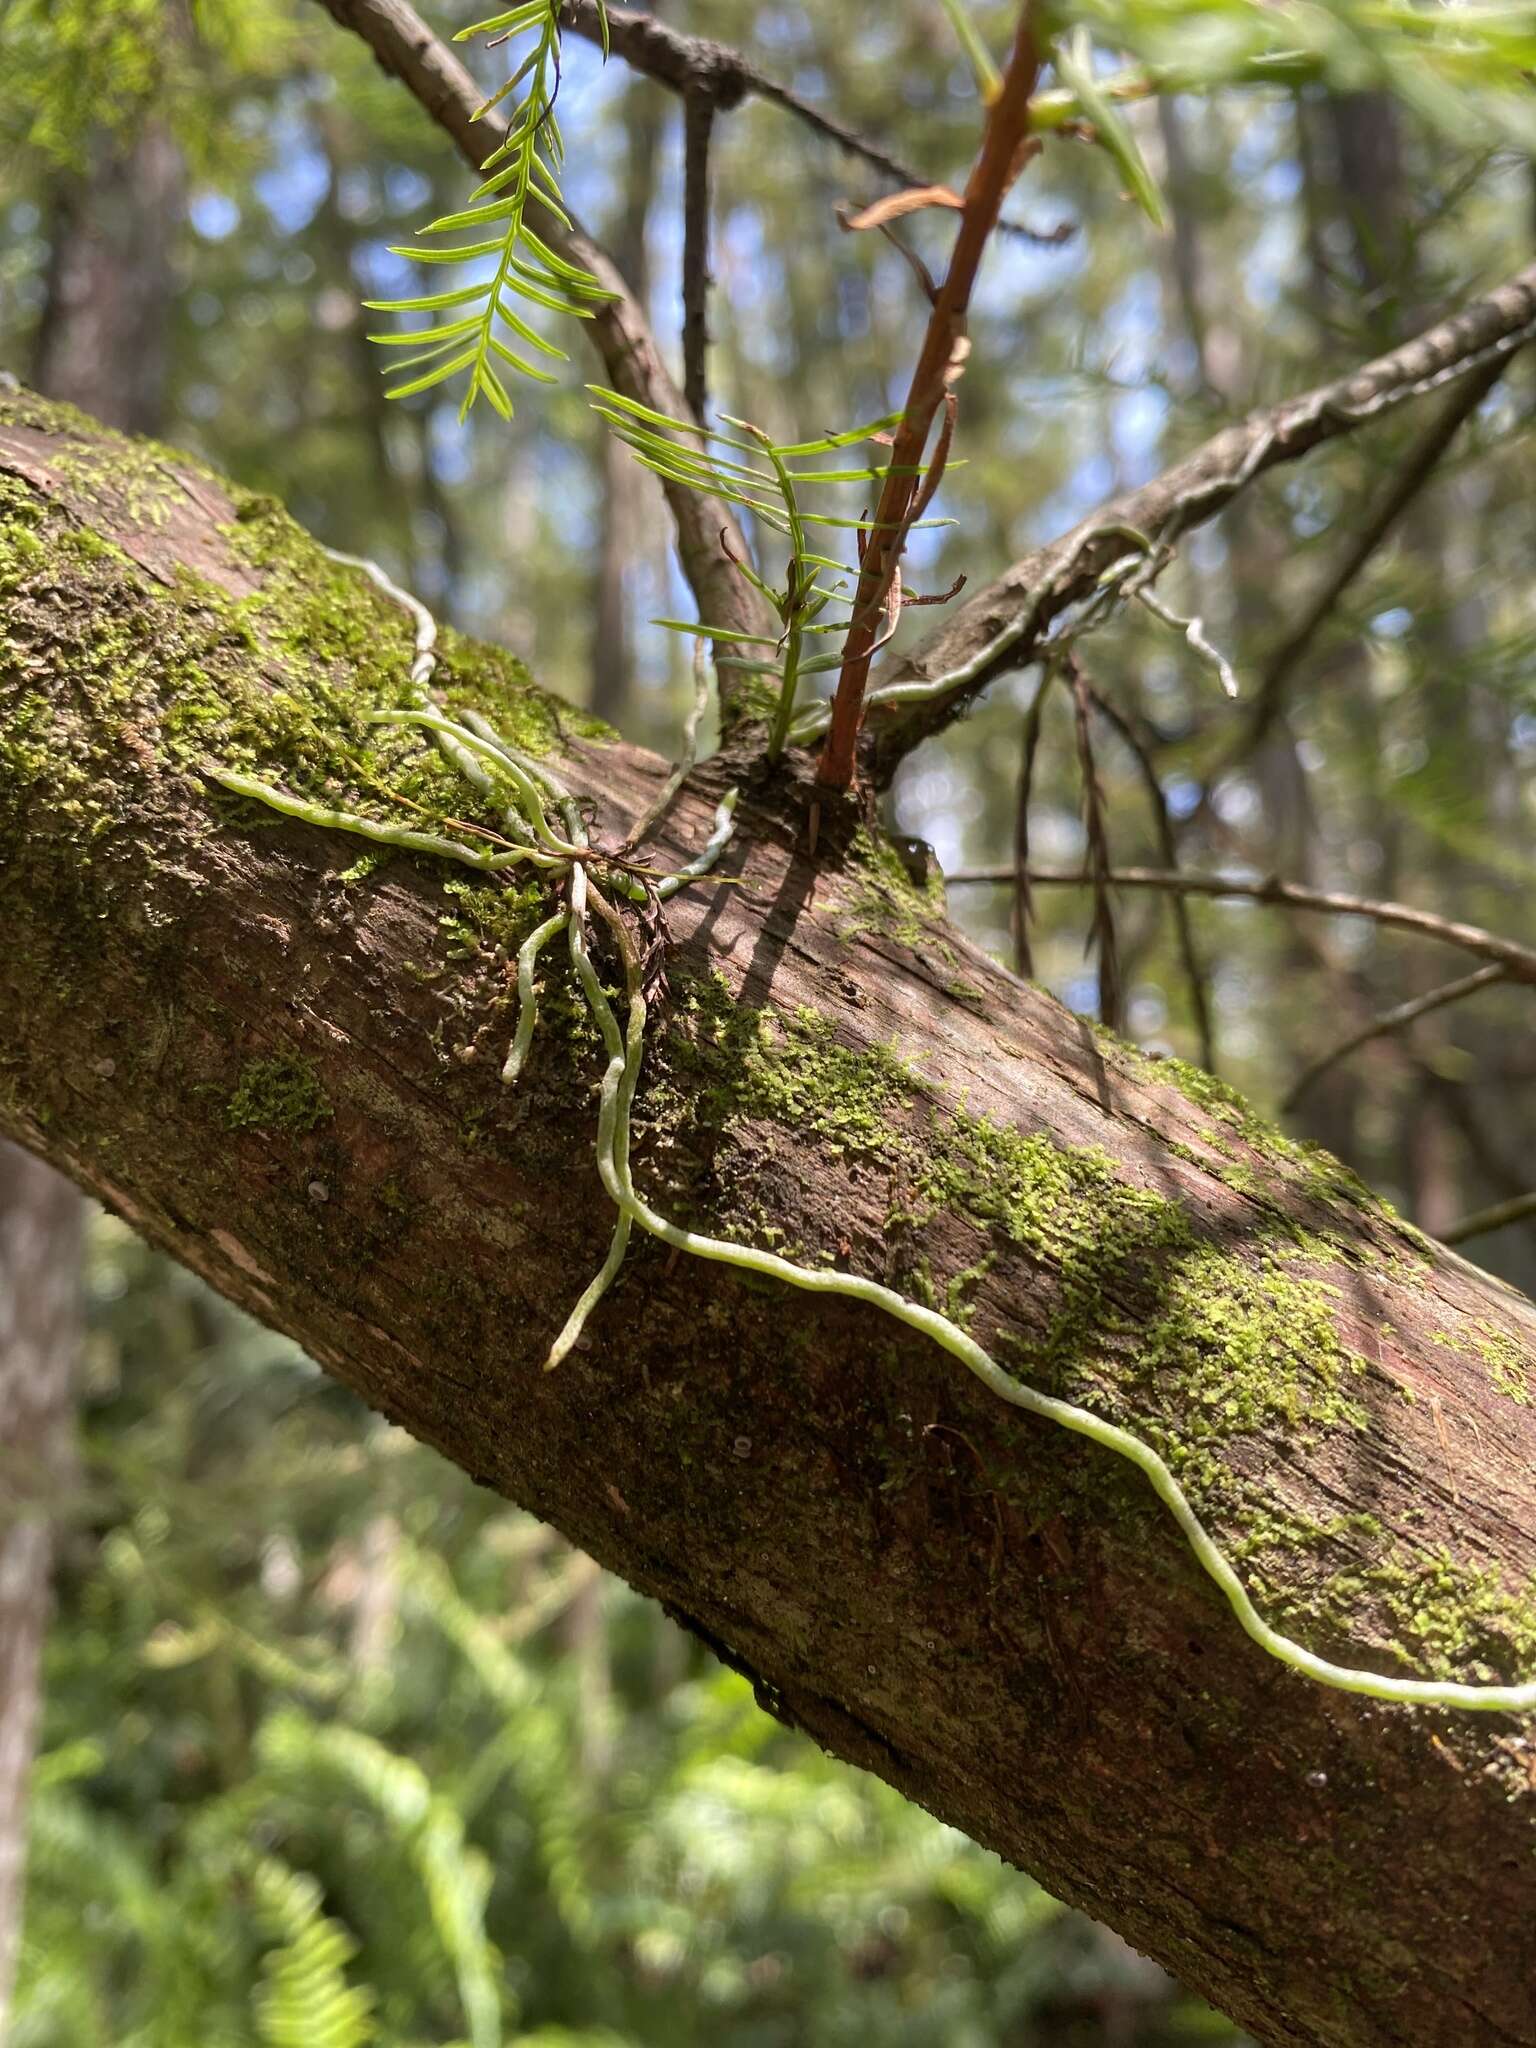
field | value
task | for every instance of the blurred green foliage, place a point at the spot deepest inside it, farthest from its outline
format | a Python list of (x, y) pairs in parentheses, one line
[(341, 1749)]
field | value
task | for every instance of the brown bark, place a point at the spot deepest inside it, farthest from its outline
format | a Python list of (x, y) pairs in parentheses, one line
[(994, 1617)]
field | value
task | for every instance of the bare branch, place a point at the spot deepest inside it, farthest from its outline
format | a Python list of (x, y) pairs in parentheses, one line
[(939, 362), (407, 49), (690, 64), (1002, 627), (1022, 908), (1102, 931), (1395, 1019), (698, 127), (1135, 736), (1518, 962), (1482, 1221), (1422, 462)]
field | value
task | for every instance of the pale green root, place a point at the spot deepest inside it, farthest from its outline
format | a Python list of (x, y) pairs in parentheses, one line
[(625, 1052)]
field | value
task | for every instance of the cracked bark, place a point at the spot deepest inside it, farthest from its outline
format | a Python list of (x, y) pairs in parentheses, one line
[(995, 1618)]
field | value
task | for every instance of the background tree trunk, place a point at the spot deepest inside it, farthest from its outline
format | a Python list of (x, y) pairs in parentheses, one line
[(40, 1217), (104, 337), (626, 494), (102, 344), (282, 1066)]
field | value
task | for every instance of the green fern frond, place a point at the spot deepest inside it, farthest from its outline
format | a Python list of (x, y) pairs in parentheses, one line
[(535, 1747), (455, 1877), (977, 55), (305, 2000), (695, 458), (521, 174)]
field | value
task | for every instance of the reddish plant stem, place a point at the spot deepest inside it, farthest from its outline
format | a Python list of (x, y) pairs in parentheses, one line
[(993, 172)]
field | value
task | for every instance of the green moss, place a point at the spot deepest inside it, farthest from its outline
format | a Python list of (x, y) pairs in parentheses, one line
[(1308, 1169), (957, 1306), (788, 1069), (106, 669), (885, 899), (1271, 1530), (1152, 1320), (86, 545), (1209, 1349), (1140, 1314), (278, 1094), (365, 866), (492, 917), (117, 477), (21, 543), (1235, 1114), (1510, 1367), (1441, 1618)]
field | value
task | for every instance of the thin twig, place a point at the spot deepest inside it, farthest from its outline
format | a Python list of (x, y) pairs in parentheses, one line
[(1102, 931), (1416, 472), (938, 364), (685, 62), (1396, 1019), (1002, 626), (1519, 962), (1481, 1221), (698, 127), (1130, 728), (1509, 1176), (1022, 907)]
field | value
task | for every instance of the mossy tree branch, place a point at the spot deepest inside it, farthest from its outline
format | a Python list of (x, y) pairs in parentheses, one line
[(277, 1054)]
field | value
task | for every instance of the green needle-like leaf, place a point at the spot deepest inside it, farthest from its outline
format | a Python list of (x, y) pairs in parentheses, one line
[(1074, 62), (526, 270)]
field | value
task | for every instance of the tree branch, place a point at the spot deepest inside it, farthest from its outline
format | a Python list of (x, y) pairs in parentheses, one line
[(939, 365), (698, 128), (620, 331), (1518, 962), (1398, 1018), (1422, 462), (1102, 936), (1138, 739), (1499, 1217), (696, 64), (1003, 626), (282, 1065)]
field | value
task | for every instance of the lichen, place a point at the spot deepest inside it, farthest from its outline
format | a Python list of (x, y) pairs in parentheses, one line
[(282, 1093)]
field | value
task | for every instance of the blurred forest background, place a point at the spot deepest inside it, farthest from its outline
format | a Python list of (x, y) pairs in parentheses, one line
[(337, 1749)]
